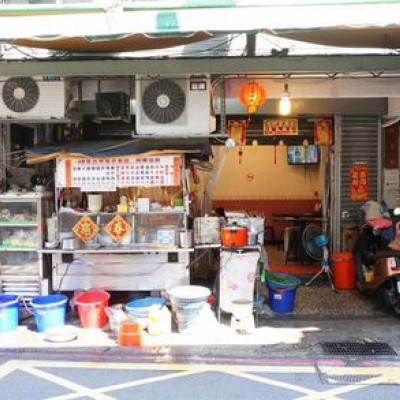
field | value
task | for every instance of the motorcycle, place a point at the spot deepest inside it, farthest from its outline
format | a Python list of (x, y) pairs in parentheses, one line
[(377, 260)]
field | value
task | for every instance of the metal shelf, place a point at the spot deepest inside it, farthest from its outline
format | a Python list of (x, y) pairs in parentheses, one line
[(16, 225), (117, 251), (32, 249)]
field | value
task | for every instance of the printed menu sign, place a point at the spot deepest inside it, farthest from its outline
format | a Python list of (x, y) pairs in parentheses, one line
[(107, 173)]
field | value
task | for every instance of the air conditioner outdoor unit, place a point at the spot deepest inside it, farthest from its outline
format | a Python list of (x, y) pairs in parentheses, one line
[(29, 97), (113, 106), (168, 106)]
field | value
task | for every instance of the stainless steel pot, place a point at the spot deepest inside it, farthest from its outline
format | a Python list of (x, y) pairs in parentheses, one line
[(186, 238), (70, 244)]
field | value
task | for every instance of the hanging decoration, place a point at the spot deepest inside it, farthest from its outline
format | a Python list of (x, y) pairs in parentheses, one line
[(118, 228), (237, 130), (252, 95), (281, 126), (85, 229), (250, 177), (359, 182), (323, 132)]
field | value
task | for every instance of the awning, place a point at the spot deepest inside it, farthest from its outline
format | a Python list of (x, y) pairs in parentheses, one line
[(152, 25), (197, 147)]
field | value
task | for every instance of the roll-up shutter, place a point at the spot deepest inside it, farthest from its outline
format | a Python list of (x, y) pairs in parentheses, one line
[(358, 140)]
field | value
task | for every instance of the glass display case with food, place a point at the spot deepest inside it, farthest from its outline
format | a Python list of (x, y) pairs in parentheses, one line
[(22, 226)]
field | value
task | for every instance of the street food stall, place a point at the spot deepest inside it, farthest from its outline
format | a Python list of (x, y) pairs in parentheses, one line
[(122, 216)]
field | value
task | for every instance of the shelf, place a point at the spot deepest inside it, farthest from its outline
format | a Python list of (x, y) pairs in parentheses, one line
[(104, 250), (3, 248), (18, 224), (172, 211)]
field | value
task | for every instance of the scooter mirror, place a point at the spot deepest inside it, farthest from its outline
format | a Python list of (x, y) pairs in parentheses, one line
[(396, 211)]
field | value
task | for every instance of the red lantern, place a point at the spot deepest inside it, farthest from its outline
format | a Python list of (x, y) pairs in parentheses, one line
[(252, 96)]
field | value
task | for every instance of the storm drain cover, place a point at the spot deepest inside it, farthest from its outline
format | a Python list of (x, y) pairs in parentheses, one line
[(346, 379), (357, 349)]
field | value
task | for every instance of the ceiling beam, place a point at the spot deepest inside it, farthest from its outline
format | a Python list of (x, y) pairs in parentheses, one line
[(331, 64)]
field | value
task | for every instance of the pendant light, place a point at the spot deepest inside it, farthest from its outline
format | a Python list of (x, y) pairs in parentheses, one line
[(285, 105)]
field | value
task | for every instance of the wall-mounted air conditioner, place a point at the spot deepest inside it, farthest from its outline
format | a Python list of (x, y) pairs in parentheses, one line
[(29, 97), (168, 106)]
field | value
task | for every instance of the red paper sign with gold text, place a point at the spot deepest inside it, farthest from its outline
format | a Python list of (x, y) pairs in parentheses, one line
[(85, 229), (237, 131), (118, 228), (359, 185), (323, 132)]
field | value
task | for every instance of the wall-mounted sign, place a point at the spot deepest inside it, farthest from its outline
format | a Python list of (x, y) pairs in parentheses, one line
[(323, 132), (103, 174), (281, 127), (118, 228), (359, 182), (85, 229), (237, 131)]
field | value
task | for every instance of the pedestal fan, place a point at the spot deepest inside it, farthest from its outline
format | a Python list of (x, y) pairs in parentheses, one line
[(315, 243)]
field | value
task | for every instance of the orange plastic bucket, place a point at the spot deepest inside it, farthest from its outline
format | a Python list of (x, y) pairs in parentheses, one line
[(344, 275), (91, 308)]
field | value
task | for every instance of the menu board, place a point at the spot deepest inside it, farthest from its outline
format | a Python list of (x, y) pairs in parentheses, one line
[(103, 174)]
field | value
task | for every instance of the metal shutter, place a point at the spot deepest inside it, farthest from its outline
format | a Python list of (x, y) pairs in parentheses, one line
[(358, 139)]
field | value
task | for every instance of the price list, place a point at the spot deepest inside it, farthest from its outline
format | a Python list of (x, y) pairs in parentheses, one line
[(108, 173)]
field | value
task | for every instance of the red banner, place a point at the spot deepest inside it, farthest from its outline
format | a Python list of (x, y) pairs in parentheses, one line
[(237, 131), (323, 132), (359, 186)]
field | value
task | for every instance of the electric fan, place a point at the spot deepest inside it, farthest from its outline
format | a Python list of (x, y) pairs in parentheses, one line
[(315, 243)]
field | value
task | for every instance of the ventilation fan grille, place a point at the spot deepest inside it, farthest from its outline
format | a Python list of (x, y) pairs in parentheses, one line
[(20, 94), (113, 106), (163, 101)]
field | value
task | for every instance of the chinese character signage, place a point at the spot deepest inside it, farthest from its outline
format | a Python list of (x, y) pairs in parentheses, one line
[(85, 229), (323, 132), (118, 228), (104, 174), (237, 131), (359, 185), (281, 127)]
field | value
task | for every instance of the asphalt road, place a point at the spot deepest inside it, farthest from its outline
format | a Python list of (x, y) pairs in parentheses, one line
[(66, 375)]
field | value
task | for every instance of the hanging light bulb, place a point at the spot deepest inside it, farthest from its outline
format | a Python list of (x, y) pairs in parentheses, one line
[(285, 105)]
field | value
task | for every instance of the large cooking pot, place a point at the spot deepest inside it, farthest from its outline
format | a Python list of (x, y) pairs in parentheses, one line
[(234, 236)]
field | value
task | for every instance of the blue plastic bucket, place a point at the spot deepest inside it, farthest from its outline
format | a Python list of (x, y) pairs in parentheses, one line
[(9, 305), (282, 296), (49, 311)]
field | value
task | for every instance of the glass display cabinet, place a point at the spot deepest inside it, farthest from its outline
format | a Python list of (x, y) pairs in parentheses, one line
[(23, 269)]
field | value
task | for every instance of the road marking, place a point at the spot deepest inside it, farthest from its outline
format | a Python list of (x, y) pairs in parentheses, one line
[(387, 375), (8, 367), (75, 387)]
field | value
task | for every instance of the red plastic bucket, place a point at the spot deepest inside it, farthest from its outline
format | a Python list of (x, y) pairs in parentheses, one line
[(344, 275), (91, 307)]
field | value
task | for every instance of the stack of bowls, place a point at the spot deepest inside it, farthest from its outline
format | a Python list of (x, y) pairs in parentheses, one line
[(139, 309), (189, 305)]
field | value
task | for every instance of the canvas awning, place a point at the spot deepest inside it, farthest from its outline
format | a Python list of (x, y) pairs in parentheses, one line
[(197, 147), (153, 25)]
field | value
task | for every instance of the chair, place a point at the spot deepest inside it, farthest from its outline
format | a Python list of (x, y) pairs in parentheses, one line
[(269, 234), (291, 243)]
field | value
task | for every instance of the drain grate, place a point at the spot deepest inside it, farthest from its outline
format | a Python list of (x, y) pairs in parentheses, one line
[(357, 349), (347, 379)]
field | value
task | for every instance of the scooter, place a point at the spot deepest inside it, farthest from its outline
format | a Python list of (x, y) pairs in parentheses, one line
[(377, 264)]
